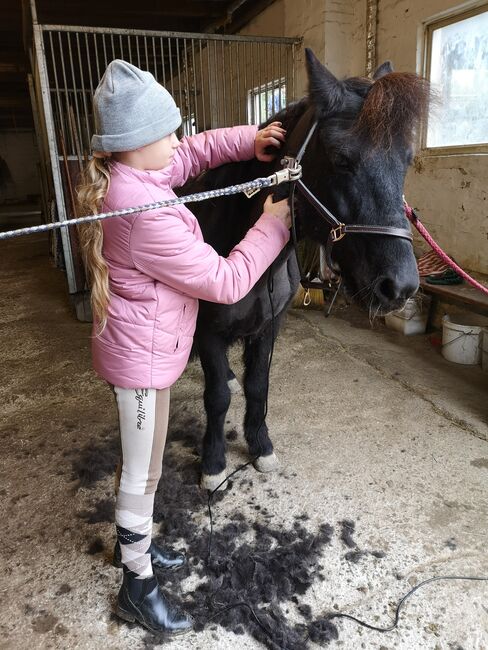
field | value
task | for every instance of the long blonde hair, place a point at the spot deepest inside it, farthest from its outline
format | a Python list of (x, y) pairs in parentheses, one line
[(91, 190)]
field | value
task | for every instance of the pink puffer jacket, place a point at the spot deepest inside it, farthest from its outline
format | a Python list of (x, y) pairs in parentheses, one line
[(159, 264)]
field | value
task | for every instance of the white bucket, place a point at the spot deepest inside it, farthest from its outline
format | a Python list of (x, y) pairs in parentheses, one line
[(461, 338), (412, 319), (484, 349)]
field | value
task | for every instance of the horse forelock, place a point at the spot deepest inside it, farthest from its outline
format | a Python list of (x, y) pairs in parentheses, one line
[(393, 106)]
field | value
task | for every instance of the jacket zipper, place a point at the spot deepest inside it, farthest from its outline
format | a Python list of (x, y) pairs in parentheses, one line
[(179, 328)]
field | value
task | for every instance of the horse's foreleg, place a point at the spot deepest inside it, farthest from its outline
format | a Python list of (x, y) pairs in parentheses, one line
[(216, 397), (256, 359), (233, 382)]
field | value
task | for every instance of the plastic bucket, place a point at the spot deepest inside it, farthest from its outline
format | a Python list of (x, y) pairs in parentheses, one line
[(484, 349), (412, 319), (461, 338)]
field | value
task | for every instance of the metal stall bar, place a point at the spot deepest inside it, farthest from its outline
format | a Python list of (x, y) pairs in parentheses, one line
[(267, 80), (209, 86), (195, 99), (44, 174), (216, 86), (224, 99), (40, 56), (231, 89), (78, 134), (279, 77), (187, 94), (58, 97), (238, 86), (202, 96), (83, 91)]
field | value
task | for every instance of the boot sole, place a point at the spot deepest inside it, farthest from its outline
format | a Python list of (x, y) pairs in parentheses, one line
[(131, 618)]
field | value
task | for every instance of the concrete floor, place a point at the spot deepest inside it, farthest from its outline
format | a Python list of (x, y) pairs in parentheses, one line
[(369, 426)]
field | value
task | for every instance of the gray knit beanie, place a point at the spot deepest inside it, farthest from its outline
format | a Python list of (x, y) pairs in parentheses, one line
[(131, 109)]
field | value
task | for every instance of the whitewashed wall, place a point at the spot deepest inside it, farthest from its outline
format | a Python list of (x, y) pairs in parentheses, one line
[(334, 29)]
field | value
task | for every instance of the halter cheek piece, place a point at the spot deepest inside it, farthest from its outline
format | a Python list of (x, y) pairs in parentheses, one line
[(338, 229)]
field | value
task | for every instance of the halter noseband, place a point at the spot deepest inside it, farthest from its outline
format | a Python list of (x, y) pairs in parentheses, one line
[(338, 229)]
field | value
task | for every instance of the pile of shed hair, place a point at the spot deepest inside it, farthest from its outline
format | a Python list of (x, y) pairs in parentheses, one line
[(252, 562), (269, 573)]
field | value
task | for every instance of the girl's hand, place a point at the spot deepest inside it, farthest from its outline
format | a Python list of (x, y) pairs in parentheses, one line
[(273, 135), (280, 209)]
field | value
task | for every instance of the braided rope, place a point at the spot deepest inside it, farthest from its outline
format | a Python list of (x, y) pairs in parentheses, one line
[(435, 247), (256, 184)]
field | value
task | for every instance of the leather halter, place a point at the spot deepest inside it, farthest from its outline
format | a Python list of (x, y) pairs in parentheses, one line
[(338, 229)]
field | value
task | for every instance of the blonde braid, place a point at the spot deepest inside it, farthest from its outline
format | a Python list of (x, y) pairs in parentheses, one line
[(94, 184)]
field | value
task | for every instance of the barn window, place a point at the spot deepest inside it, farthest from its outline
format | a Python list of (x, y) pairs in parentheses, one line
[(265, 100), (457, 65)]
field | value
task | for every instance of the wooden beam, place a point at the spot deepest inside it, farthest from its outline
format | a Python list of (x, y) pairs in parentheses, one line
[(245, 13), (184, 8), (26, 25), (12, 68), (71, 15), (161, 22), (14, 102)]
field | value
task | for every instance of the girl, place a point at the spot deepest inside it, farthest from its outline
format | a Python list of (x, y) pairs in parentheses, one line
[(147, 272)]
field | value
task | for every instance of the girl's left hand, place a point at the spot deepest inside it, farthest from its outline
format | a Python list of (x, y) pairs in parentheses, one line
[(273, 135)]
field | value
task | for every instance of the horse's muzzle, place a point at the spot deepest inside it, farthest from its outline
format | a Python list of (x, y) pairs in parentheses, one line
[(393, 291)]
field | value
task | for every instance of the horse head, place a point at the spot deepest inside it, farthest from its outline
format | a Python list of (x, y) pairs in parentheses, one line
[(355, 163)]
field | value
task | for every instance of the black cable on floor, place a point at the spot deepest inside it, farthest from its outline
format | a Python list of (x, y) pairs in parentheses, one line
[(400, 604), (253, 614), (329, 617)]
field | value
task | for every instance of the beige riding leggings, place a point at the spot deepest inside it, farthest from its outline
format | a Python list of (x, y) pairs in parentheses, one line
[(143, 425)]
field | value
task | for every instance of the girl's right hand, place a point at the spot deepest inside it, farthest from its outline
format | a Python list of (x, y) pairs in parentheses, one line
[(280, 209)]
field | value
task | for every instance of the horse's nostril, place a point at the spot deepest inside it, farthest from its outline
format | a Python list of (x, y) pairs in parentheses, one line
[(389, 289)]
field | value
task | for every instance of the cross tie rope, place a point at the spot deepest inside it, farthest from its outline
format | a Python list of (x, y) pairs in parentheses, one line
[(249, 188)]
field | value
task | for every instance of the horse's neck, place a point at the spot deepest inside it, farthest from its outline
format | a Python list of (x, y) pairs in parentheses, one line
[(224, 222)]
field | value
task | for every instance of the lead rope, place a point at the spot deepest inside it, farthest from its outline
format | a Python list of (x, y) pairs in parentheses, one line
[(413, 218), (249, 188)]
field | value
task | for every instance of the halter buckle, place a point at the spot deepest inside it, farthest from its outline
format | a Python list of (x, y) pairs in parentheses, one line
[(293, 166), (336, 234), (291, 171)]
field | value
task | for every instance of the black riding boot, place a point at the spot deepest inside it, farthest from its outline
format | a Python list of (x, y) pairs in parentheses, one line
[(141, 600), (162, 558)]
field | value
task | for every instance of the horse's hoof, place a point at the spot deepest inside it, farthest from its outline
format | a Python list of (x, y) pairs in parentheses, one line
[(212, 481), (234, 386), (267, 463)]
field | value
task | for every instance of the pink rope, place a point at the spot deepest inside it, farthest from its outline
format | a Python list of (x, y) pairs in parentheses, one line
[(428, 238)]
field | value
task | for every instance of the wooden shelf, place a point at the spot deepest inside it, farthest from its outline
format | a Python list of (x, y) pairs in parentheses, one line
[(463, 294)]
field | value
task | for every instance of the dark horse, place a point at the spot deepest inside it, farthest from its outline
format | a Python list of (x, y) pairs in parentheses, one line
[(355, 163)]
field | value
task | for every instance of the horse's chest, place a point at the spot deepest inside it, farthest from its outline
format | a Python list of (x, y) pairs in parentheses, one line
[(252, 314)]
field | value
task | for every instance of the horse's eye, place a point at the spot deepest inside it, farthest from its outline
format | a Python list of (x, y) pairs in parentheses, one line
[(342, 162)]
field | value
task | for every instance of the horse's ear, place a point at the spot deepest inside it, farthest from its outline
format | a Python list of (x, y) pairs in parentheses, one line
[(385, 68), (325, 90)]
